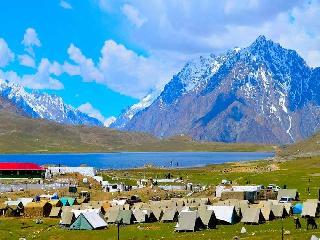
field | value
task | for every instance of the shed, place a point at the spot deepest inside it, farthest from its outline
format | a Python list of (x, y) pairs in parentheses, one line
[(170, 215), (67, 218), (252, 216), (89, 221), (290, 193), (225, 214), (126, 216), (309, 209), (37, 209), (189, 221), (55, 212), (207, 217)]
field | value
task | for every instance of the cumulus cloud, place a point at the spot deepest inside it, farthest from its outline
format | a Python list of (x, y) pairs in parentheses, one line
[(26, 60), (6, 55), (133, 15), (65, 4), (86, 67), (30, 40), (88, 109)]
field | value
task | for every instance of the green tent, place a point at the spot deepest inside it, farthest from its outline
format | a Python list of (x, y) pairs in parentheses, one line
[(89, 221), (68, 201), (126, 216)]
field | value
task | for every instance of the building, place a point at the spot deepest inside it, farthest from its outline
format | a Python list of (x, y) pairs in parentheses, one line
[(85, 171), (21, 170)]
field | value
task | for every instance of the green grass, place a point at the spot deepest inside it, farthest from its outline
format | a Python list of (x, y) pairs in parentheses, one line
[(16, 228)]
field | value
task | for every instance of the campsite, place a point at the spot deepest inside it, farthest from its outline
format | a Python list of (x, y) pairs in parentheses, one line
[(171, 214)]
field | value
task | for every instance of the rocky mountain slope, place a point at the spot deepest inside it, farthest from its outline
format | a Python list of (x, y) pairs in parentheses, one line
[(14, 98), (263, 93)]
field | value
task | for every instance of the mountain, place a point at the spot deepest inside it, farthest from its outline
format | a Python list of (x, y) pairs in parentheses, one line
[(37, 105), (263, 93), (23, 134)]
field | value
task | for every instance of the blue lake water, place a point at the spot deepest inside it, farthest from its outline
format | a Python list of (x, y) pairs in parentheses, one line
[(125, 160)]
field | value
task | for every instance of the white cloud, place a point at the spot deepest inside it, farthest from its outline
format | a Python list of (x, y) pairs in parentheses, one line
[(65, 4), (88, 109), (6, 55), (42, 79), (30, 39), (133, 15), (26, 60), (87, 68)]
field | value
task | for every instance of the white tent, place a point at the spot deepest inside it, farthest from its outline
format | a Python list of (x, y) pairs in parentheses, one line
[(78, 212), (224, 213)]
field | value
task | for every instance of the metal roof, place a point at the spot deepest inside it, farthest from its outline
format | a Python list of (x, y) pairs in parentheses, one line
[(19, 166)]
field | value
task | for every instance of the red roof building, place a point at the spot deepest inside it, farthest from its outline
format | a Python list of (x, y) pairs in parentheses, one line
[(21, 170)]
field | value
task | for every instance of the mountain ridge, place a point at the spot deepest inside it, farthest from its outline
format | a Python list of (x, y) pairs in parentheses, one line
[(263, 93)]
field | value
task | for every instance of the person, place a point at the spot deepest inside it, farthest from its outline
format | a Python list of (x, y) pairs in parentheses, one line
[(297, 222)]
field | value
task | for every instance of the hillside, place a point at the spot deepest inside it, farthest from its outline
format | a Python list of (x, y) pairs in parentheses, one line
[(308, 147), (263, 93), (21, 134)]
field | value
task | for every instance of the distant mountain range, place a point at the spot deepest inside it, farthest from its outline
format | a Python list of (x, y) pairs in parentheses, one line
[(14, 98), (263, 93)]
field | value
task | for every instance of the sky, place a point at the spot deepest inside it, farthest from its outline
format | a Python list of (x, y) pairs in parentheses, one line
[(102, 56)]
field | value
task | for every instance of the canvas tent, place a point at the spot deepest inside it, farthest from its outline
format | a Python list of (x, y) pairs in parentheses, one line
[(170, 215), (55, 212), (67, 218), (290, 193), (37, 209), (157, 212), (126, 217), (207, 217), (112, 214), (89, 221), (267, 213), (144, 215), (309, 209), (68, 201), (189, 221), (25, 201), (3, 208), (252, 216), (279, 211), (15, 208), (224, 214)]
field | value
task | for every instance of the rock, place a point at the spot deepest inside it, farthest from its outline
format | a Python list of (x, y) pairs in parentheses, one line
[(313, 237), (286, 232), (243, 230)]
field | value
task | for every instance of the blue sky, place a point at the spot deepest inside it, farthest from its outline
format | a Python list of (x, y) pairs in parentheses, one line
[(104, 55)]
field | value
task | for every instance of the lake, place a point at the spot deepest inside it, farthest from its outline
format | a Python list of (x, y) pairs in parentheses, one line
[(125, 160)]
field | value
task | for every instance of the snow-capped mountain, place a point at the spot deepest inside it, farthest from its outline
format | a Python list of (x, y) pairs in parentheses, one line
[(263, 93), (45, 106)]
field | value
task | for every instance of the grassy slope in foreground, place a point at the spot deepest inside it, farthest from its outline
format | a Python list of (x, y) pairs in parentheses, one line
[(19, 134)]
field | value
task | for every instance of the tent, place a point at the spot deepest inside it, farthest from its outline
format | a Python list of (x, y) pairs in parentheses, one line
[(157, 212), (126, 216), (207, 217), (3, 208), (55, 203), (67, 218), (89, 221), (144, 215), (279, 211), (309, 209), (15, 208), (290, 193), (25, 201), (297, 209), (252, 216), (189, 221), (224, 214), (55, 212), (37, 209), (112, 214), (170, 215), (68, 201), (267, 213), (78, 212)]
